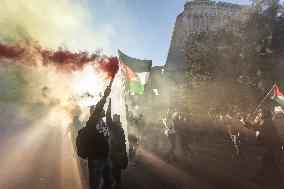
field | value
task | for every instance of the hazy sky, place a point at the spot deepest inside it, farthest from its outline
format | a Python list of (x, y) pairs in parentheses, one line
[(140, 28)]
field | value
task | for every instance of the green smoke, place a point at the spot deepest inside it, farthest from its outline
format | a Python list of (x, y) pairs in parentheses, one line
[(13, 85), (17, 85)]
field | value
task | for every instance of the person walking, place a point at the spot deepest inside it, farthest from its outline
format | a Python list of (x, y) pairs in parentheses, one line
[(170, 132), (267, 135), (118, 154), (183, 132)]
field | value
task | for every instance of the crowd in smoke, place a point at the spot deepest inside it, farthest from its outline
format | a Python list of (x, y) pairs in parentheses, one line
[(45, 87)]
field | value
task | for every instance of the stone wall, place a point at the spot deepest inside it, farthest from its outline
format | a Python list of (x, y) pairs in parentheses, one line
[(198, 15)]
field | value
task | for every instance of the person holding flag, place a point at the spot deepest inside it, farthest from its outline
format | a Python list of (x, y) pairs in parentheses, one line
[(275, 95), (135, 73), (267, 136)]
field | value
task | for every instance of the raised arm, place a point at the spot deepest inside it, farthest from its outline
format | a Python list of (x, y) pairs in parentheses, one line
[(96, 114), (108, 115)]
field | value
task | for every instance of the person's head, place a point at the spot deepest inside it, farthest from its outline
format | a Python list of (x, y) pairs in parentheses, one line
[(260, 113), (116, 118), (265, 114)]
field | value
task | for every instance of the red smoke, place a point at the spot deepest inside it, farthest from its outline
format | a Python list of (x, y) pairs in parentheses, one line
[(63, 60), (67, 60), (10, 51), (109, 65)]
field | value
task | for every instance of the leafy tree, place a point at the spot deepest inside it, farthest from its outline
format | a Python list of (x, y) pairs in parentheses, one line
[(232, 68)]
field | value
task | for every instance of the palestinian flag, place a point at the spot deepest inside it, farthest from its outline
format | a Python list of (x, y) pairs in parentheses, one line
[(277, 96), (279, 110), (135, 73)]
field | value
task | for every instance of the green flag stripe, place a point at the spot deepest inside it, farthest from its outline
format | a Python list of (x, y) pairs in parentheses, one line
[(134, 64), (279, 100), (136, 87)]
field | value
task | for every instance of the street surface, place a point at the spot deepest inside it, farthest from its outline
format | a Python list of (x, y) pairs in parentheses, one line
[(43, 158)]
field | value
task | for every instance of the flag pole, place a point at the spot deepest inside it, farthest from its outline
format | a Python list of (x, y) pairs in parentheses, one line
[(263, 99)]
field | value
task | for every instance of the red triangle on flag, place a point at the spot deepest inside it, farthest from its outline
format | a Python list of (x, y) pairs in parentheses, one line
[(276, 91)]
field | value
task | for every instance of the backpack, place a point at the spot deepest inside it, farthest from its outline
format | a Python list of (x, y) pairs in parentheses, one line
[(82, 143)]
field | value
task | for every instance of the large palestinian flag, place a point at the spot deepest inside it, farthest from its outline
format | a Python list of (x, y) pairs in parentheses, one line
[(135, 73), (277, 96)]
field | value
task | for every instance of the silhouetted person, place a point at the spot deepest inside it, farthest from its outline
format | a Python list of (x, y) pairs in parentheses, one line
[(133, 145), (118, 153), (99, 162), (182, 125), (267, 135), (133, 137), (170, 132)]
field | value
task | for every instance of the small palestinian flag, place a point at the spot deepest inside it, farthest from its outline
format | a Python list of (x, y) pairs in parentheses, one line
[(277, 96), (135, 73), (279, 110)]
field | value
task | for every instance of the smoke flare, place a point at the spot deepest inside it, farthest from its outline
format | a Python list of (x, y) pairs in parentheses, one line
[(63, 60), (11, 51), (109, 66)]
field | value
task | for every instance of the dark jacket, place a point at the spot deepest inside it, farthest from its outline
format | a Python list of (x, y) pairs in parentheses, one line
[(117, 144), (99, 142), (268, 135), (117, 137)]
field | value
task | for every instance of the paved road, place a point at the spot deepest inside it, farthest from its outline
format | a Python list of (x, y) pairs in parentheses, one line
[(213, 166), (42, 158)]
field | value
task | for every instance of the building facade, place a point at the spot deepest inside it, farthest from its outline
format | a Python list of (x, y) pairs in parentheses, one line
[(198, 15)]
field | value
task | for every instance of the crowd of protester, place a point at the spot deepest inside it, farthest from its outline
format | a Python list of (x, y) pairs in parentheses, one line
[(107, 154)]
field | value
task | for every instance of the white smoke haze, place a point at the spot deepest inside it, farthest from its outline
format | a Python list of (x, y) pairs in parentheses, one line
[(52, 23), (37, 102)]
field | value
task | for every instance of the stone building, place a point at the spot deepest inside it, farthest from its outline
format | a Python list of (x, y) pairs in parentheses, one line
[(198, 15)]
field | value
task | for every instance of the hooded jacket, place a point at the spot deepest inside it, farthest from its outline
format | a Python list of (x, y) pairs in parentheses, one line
[(99, 135)]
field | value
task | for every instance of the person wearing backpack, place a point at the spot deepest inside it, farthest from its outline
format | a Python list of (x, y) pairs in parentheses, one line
[(118, 154), (93, 144)]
